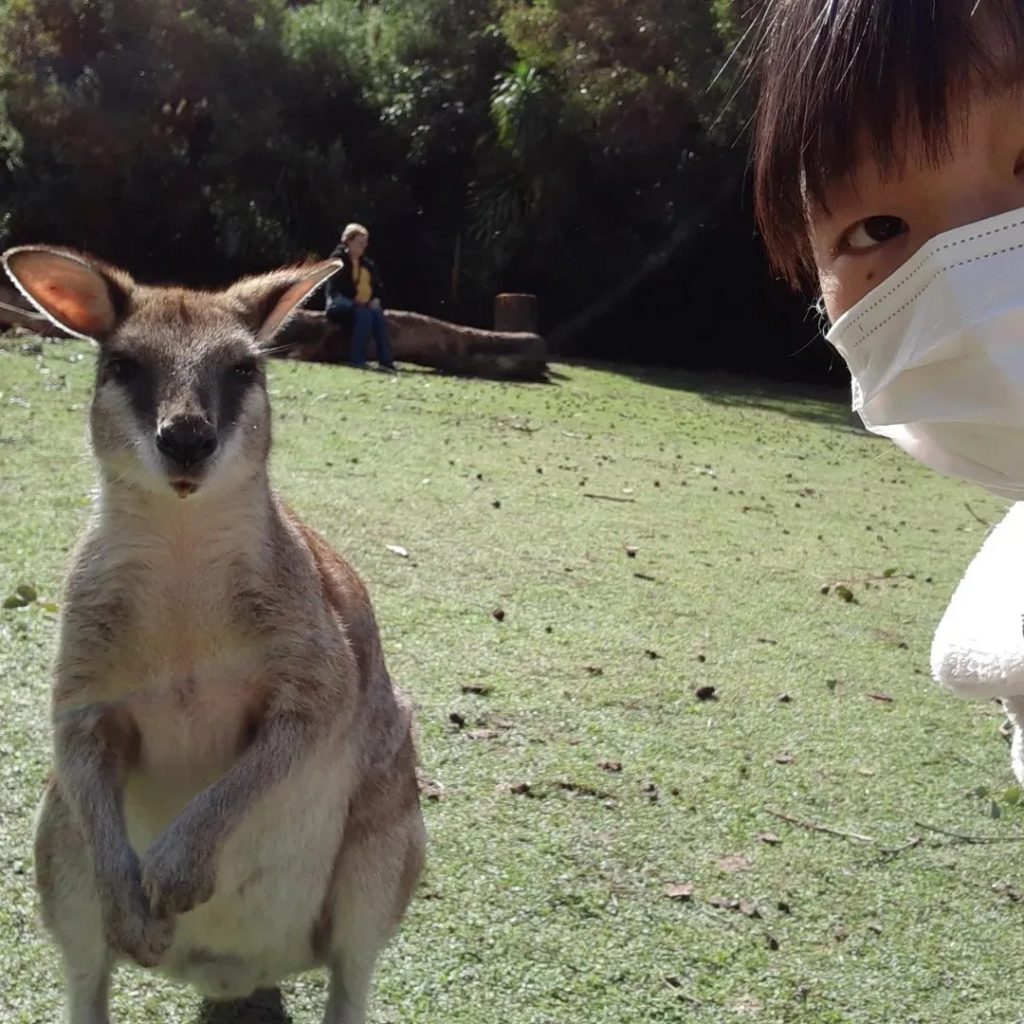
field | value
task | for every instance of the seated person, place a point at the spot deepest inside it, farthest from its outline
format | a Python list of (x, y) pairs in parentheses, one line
[(354, 296)]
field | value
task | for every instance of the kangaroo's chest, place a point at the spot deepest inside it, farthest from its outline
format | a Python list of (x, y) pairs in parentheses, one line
[(195, 698), (190, 675)]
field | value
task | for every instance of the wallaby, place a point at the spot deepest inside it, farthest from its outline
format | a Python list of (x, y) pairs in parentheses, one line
[(234, 796)]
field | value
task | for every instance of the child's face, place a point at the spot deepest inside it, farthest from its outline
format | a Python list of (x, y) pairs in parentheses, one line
[(876, 222)]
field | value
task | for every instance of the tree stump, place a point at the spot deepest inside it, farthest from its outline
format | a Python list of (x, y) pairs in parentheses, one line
[(515, 313)]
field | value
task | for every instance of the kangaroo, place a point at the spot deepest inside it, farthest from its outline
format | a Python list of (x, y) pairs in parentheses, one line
[(234, 796)]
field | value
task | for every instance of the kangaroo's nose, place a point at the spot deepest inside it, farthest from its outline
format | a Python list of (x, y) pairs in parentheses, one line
[(187, 441)]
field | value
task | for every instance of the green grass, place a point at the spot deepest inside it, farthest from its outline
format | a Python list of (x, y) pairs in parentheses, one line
[(549, 906)]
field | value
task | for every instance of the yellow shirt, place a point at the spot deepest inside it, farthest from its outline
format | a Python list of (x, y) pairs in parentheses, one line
[(361, 279)]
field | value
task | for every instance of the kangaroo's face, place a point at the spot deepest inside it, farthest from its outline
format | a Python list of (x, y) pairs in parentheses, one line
[(180, 403), (180, 398)]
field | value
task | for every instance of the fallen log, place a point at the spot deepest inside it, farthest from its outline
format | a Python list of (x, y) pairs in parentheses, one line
[(15, 311), (424, 341), (415, 338)]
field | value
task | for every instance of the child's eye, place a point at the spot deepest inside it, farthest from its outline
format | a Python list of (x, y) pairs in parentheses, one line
[(872, 231)]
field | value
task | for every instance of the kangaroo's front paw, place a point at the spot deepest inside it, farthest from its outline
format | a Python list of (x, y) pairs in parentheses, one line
[(175, 877), (133, 930)]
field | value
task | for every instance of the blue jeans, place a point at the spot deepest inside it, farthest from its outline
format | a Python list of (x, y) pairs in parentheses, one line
[(364, 321)]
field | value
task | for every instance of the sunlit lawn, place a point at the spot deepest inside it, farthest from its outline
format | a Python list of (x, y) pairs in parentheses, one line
[(545, 899)]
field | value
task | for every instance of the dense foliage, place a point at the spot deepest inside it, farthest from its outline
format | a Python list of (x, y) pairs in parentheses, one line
[(588, 150)]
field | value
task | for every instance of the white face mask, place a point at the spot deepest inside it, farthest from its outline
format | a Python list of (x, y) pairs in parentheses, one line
[(936, 353)]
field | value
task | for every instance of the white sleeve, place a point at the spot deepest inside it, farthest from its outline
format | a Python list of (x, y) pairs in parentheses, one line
[(978, 648)]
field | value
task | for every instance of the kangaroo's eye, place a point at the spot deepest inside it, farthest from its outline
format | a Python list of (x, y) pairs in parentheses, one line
[(123, 369), (247, 369)]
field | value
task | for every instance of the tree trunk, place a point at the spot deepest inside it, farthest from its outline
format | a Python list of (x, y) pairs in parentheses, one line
[(425, 341), (16, 311)]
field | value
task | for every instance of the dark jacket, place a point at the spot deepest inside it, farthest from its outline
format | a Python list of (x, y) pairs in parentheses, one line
[(341, 283)]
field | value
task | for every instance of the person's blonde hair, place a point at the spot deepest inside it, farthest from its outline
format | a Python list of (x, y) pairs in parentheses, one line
[(351, 230)]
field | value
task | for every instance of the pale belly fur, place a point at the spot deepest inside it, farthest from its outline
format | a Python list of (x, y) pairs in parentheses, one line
[(274, 869)]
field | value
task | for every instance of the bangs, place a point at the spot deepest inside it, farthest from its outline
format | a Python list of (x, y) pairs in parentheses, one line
[(835, 74)]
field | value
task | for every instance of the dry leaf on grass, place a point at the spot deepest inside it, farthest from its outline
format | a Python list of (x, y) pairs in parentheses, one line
[(429, 788), (1009, 891), (517, 788), (748, 908), (680, 891), (747, 1005), (732, 863), (582, 789)]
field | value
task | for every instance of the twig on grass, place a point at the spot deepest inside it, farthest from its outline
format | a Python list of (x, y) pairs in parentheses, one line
[(910, 844), (984, 522), (963, 838), (610, 497), (676, 986), (813, 826)]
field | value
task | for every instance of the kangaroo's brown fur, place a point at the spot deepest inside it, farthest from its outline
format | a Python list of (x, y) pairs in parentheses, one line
[(234, 796)]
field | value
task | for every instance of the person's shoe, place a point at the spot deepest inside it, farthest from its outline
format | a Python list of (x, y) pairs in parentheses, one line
[(359, 366), (387, 368)]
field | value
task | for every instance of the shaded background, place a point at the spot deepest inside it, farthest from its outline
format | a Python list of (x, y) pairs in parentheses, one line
[(591, 151)]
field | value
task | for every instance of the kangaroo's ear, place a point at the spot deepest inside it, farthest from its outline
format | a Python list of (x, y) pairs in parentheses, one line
[(266, 302), (78, 293)]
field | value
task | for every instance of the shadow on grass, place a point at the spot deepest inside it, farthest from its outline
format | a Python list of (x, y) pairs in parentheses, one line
[(813, 403), (264, 1007)]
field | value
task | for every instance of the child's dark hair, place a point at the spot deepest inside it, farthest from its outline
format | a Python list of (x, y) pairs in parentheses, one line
[(836, 75)]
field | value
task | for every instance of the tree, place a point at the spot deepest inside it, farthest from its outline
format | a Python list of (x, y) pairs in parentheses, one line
[(606, 134), (179, 137), (573, 148)]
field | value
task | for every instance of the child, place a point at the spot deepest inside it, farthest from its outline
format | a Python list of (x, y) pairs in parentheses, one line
[(881, 124), (889, 171)]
